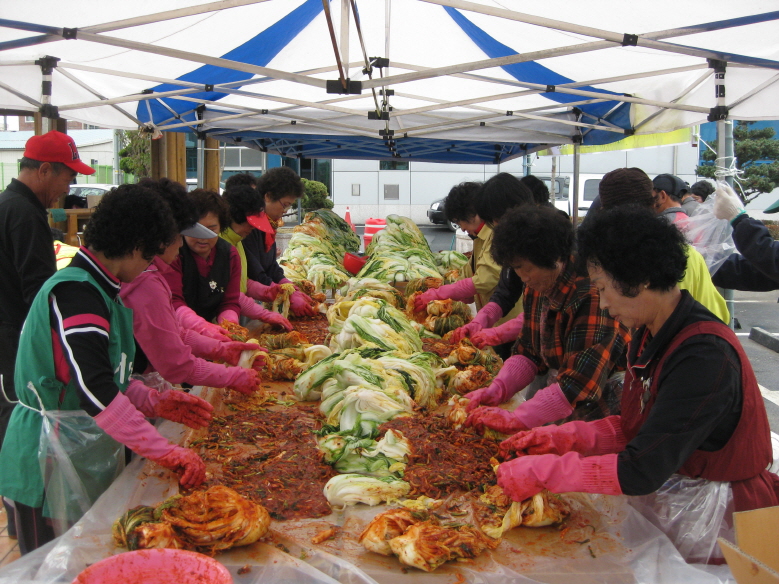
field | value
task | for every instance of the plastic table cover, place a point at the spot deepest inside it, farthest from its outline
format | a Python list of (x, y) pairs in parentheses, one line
[(607, 541)]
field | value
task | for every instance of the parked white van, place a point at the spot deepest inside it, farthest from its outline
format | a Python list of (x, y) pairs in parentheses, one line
[(588, 190)]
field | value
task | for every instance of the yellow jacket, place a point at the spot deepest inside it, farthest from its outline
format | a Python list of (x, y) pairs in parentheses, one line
[(697, 281), (485, 273)]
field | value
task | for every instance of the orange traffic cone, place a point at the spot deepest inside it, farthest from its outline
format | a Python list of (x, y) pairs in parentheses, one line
[(348, 219)]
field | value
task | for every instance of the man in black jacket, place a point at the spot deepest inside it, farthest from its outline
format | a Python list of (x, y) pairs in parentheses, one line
[(49, 165)]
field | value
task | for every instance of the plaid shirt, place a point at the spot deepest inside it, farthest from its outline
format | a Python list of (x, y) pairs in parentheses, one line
[(567, 331)]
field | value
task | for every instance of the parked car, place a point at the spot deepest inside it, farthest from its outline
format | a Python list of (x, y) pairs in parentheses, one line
[(588, 190), (437, 217), (192, 185), (86, 195)]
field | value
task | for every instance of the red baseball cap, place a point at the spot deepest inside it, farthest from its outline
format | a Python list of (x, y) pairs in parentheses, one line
[(260, 221), (55, 146)]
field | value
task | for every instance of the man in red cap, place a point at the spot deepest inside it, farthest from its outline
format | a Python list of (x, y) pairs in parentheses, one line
[(49, 165)]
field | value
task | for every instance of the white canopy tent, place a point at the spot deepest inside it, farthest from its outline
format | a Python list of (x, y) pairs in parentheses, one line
[(437, 80)]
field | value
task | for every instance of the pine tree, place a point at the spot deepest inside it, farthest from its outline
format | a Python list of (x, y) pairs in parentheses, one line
[(757, 156)]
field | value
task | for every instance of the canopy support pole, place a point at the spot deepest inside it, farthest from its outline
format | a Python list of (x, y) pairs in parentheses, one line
[(49, 113), (575, 197)]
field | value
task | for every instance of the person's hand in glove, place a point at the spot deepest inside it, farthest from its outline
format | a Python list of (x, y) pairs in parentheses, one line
[(230, 351), (171, 404), (125, 423), (261, 292), (727, 204), (507, 332), (276, 319), (487, 316), (301, 304), (244, 380), (524, 477), (185, 463), (462, 290), (587, 438), (517, 372), (547, 405), (189, 319)]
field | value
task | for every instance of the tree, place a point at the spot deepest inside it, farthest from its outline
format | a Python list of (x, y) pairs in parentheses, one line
[(315, 196), (757, 156), (135, 155)]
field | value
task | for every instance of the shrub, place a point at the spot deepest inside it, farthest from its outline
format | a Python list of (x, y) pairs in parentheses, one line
[(315, 196), (773, 228)]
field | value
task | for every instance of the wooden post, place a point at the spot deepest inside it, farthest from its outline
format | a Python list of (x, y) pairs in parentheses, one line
[(159, 167), (176, 157), (212, 168)]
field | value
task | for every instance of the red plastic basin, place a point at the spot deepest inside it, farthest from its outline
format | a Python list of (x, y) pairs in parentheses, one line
[(156, 566), (353, 263)]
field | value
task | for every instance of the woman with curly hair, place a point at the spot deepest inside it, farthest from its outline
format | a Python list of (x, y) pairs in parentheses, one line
[(565, 336), (279, 187), (76, 354), (691, 404), (163, 345), (205, 278)]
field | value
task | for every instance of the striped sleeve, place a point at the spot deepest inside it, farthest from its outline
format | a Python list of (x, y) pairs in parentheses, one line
[(80, 332)]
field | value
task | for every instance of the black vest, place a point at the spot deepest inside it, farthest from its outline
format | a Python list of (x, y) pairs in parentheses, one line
[(204, 294)]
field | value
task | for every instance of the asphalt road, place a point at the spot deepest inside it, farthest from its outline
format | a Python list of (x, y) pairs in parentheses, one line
[(752, 309)]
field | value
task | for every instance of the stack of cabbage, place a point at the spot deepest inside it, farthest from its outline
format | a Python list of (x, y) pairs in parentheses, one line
[(449, 261), (358, 288), (399, 253), (317, 248)]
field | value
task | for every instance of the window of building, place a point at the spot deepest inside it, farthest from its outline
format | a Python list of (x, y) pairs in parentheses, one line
[(393, 165)]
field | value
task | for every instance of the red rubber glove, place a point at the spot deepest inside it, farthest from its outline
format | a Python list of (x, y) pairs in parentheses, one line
[(189, 319), (276, 319), (301, 304), (185, 463), (547, 405), (256, 311), (462, 291), (587, 438), (171, 404), (421, 300), (229, 315), (517, 372), (244, 380), (524, 477), (261, 292), (507, 332), (230, 352), (486, 317), (125, 423)]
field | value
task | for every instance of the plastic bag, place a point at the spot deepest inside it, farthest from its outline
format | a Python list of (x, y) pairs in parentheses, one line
[(79, 461), (693, 513), (153, 379), (712, 237)]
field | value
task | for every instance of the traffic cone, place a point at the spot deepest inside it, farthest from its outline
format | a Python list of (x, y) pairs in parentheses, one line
[(348, 219)]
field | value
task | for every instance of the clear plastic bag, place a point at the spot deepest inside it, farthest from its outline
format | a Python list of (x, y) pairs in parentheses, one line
[(693, 513), (712, 237), (79, 461), (153, 379)]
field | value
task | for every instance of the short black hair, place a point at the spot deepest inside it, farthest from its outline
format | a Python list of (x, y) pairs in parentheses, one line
[(541, 235), (243, 178), (460, 203), (243, 200), (130, 217), (32, 164), (702, 188), (634, 246), (537, 187), (499, 194), (206, 202), (279, 182), (626, 186), (175, 194)]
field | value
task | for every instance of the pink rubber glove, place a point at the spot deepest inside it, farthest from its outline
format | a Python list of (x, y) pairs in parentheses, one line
[(517, 372), (229, 315), (524, 477), (587, 438), (255, 311), (301, 304), (261, 292), (200, 345), (462, 290), (189, 319), (547, 405), (244, 380), (230, 352), (125, 423), (171, 404), (486, 317), (508, 331)]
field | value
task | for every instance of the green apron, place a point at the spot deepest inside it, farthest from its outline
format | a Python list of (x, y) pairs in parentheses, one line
[(20, 473)]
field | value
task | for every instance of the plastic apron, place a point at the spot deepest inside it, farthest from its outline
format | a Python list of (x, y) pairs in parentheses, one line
[(52, 445)]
